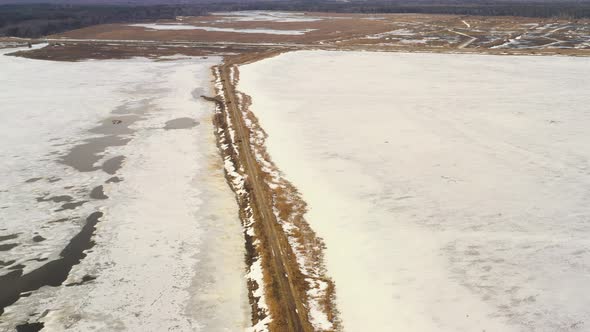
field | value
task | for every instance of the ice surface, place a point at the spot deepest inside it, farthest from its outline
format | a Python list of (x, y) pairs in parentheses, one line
[(155, 26), (169, 248), (452, 191), (159, 26), (41, 118), (266, 16)]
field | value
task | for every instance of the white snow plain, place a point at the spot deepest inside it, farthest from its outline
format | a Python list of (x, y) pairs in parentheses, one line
[(168, 253), (452, 191), (266, 16), (175, 26)]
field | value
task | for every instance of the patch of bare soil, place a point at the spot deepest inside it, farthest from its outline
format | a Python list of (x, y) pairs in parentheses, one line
[(102, 51)]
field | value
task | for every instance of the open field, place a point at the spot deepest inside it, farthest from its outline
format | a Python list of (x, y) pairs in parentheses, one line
[(228, 34), (435, 181), (451, 190), (399, 30)]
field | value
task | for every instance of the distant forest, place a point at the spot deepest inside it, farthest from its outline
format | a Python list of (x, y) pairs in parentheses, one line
[(36, 20)]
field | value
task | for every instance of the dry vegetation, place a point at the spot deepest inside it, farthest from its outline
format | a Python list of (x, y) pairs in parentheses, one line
[(273, 209), (101, 51), (382, 32), (283, 299), (290, 209), (405, 30)]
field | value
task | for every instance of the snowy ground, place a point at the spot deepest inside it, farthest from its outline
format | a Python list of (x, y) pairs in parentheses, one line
[(168, 253), (453, 191)]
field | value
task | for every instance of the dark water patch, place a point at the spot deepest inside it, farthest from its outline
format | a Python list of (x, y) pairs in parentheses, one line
[(116, 125), (68, 187), (53, 179), (55, 199), (38, 238), (181, 123), (8, 237), (10, 276), (8, 246), (55, 272), (114, 179), (98, 193), (112, 165), (31, 180), (7, 263), (17, 267), (59, 220), (85, 279), (30, 327), (71, 206), (82, 157)]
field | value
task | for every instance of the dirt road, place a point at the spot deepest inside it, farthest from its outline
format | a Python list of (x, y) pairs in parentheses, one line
[(285, 297), (466, 43)]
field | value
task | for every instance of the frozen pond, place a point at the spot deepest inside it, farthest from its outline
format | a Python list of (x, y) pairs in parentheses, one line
[(154, 26), (266, 16), (453, 191), (115, 213)]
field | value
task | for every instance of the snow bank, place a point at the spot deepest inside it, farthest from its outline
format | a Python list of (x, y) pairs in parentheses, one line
[(451, 190)]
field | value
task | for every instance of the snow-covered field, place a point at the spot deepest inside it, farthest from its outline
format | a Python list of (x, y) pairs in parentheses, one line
[(453, 191), (168, 250)]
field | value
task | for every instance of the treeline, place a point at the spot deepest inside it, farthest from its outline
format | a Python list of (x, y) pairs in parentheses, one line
[(545, 9), (571, 10), (36, 20)]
